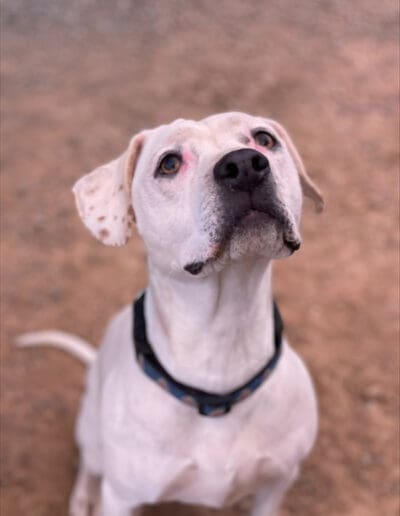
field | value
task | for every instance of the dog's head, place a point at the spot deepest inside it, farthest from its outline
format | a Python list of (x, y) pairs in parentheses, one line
[(202, 193)]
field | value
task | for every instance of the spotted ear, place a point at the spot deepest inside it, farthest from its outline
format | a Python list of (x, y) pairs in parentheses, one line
[(103, 197), (309, 188)]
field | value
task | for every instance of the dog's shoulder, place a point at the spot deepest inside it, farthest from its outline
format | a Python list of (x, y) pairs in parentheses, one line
[(297, 401), (117, 338)]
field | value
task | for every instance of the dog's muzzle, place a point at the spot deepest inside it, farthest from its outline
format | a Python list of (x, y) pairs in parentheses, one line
[(246, 186)]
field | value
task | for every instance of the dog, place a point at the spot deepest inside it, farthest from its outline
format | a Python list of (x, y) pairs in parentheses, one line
[(194, 396)]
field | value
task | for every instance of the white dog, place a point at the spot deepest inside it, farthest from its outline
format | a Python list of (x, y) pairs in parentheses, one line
[(193, 396)]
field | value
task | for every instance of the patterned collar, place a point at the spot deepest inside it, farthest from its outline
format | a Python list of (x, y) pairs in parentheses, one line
[(207, 403)]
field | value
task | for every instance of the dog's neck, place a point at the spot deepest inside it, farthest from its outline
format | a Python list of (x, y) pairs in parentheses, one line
[(213, 333)]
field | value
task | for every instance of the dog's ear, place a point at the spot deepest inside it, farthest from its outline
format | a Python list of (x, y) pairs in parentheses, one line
[(103, 197), (308, 186)]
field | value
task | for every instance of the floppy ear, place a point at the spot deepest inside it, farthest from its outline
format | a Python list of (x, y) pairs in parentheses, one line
[(309, 188), (103, 197)]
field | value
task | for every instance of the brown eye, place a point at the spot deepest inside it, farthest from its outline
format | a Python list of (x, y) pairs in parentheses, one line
[(170, 164), (264, 139)]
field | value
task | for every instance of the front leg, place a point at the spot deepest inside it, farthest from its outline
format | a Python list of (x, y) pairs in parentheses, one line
[(268, 499), (86, 493)]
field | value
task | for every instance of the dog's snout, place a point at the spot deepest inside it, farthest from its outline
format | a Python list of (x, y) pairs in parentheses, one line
[(242, 169)]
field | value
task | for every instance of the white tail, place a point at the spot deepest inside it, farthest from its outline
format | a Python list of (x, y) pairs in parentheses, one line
[(61, 340)]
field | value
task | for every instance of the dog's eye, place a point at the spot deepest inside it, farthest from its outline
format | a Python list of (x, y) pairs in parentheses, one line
[(170, 164), (264, 139)]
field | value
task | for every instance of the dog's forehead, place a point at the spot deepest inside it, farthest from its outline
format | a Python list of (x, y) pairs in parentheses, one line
[(214, 127), (231, 121), (177, 132)]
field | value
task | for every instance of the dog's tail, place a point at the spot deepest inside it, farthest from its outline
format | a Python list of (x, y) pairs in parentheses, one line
[(61, 340)]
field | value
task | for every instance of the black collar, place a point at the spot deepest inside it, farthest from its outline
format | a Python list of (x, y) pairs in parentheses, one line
[(207, 403)]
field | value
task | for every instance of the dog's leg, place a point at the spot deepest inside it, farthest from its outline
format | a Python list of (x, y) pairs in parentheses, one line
[(86, 493), (113, 505), (267, 501)]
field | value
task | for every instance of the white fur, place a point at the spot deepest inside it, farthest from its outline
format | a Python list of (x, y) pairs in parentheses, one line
[(213, 331)]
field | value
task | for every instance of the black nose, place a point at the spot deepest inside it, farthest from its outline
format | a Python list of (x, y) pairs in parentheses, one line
[(241, 170)]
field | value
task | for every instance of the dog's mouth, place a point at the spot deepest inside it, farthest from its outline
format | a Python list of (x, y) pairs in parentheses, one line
[(262, 216), (250, 220), (250, 217)]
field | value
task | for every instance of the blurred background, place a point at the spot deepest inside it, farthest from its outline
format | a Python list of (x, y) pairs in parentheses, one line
[(78, 79)]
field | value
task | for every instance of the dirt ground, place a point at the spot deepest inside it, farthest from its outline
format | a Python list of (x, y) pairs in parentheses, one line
[(78, 78)]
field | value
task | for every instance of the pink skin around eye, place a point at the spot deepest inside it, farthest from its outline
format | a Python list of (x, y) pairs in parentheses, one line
[(187, 160), (260, 148), (248, 140), (252, 144)]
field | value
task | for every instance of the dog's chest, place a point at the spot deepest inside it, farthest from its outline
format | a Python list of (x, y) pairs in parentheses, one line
[(164, 451)]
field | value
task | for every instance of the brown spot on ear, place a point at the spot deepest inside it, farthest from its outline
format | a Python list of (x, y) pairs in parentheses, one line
[(131, 213), (100, 219), (91, 208), (104, 233), (121, 187)]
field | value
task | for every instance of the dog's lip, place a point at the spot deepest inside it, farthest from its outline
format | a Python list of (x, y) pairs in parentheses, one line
[(292, 245), (252, 214)]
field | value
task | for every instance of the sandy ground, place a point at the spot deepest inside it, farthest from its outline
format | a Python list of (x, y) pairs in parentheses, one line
[(78, 79)]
